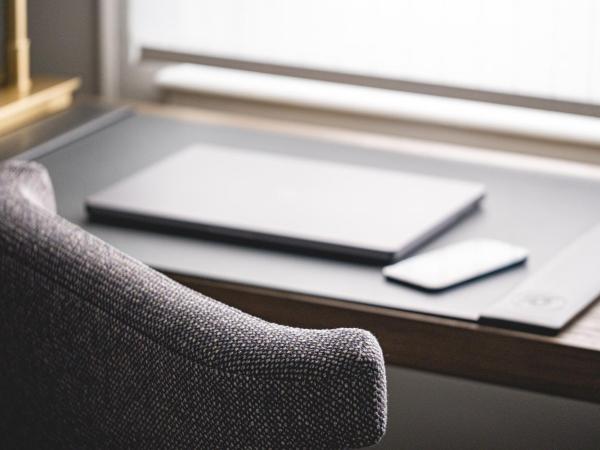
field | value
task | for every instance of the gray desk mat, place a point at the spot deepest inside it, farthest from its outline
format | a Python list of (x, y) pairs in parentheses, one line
[(541, 211)]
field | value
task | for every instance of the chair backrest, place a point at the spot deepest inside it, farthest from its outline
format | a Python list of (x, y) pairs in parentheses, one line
[(98, 350)]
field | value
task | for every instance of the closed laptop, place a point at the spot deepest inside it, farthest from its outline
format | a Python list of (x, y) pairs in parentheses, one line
[(278, 200)]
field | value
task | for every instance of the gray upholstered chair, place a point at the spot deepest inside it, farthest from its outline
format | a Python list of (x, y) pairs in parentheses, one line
[(99, 351)]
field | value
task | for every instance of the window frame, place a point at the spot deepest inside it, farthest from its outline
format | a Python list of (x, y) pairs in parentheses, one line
[(132, 74), (392, 84)]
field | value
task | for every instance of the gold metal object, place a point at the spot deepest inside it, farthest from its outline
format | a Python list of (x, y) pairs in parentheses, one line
[(17, 44), (3, 36), (23, 100), (46, 96)]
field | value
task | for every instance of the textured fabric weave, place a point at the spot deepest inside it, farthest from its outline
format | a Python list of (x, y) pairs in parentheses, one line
[(99, 351)]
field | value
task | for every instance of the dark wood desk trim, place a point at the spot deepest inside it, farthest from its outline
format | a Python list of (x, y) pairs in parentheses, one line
[(446, 346)]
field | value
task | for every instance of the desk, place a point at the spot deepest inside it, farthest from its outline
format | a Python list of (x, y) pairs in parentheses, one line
[(566, 365)]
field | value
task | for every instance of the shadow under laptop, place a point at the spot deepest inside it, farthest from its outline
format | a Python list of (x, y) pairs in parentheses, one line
[(256, 240)]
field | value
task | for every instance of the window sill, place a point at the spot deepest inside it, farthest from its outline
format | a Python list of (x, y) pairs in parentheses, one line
[(380, 102)]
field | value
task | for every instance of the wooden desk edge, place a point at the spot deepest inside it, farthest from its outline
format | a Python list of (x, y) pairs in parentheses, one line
[(435, 344)]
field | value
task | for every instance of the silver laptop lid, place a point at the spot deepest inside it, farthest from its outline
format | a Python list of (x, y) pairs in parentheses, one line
[(375, 213)]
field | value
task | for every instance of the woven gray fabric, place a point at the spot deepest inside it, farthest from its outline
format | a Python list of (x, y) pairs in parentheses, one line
[(99, 351)]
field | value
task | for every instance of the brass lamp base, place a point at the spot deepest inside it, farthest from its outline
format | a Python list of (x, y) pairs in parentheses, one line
[(47, 96)]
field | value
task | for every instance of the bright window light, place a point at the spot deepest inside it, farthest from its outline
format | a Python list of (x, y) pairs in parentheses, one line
[(540, 48)]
